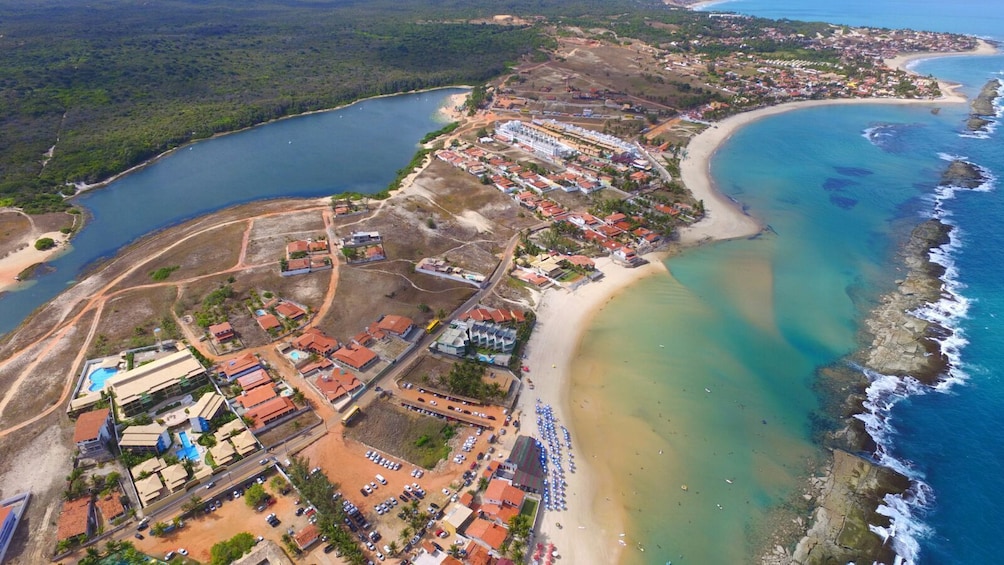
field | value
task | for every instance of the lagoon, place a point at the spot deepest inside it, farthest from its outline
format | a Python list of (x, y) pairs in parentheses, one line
[(356, 148)]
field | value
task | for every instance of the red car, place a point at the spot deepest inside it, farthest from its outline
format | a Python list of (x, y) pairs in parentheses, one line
[(474, 465)]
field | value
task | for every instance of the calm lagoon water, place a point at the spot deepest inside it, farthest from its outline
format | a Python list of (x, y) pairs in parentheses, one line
[(358, 148)]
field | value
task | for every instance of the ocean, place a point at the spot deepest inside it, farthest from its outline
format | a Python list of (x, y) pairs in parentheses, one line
[(709, 378)]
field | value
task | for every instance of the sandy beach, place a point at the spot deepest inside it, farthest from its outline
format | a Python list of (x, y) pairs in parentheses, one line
[(17, 261), (587, 536)]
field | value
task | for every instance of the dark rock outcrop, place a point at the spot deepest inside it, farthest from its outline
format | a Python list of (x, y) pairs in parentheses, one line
[(983, 106), (962, 173)]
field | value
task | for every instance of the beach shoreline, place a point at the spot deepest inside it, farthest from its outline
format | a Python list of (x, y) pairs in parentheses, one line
[(589, 529)]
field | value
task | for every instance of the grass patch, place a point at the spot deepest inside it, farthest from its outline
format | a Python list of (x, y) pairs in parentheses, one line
[(418, 439), (163, 272), (529, 508)]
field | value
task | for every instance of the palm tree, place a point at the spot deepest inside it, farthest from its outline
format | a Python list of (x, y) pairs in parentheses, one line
[(454, 551), (92, 557), (392, 546), (112, 546), (405, 533)]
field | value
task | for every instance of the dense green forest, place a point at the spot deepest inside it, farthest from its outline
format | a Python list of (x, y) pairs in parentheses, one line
[(111, 83)]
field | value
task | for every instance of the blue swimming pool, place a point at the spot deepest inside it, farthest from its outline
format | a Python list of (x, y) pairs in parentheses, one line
[(486, 358), (260, 313), (296, 355), (187, 449), (99, 376)]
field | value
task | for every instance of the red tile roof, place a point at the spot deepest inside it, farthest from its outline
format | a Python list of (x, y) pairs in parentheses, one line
[(499, 490), (395, 324), (89, 425), (316, 341), (297, 264), (73, 519), (239, 365), (307, 536), (222, 331), (256, 396), (355, 356), (488, 532), (110, 506), (289, 310), (253, 380), (296, 247), (270, 410), (316, 246), (268, 321), (338, 384)]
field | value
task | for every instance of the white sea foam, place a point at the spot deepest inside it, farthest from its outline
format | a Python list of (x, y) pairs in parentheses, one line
[(905, 511), (878, 135)]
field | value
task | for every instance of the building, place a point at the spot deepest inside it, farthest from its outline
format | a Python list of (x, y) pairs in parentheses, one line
[(11, 510), (290, 311), (254, 380), (314, 340), (268, 412), (77, 519), (268, 322), (307, 537), (149, 488), (256, 397), (92, 432), (502, 501), (143, 387), (361, 238), (222, 333), (397, 325), (144, 439), (492, 336), (223, 452), (207, 407), (110, 506), (356, 356), (454, 340), (337, 384), (536, 138), (239, 367), (523, 466), (456, 517), (174, 477), (488, 534), (244, 443)]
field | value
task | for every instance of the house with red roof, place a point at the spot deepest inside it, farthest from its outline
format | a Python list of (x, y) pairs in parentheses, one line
[(92, 432), (488, 534), (307, 537), (397, 325), (76, 519), (222, 332), (270, 411), (316, 341), (296, 247), (358, 357), (256, 397), (337, 385), (290, 311), (110, 506), (502, 501), (268, 322), (236, 368), (254, 380)]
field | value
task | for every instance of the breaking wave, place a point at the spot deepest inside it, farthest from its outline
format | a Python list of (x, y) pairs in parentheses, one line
[(905, 511)]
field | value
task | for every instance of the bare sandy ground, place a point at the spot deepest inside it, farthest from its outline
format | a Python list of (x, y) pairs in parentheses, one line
[(587, 536), (27, 256)]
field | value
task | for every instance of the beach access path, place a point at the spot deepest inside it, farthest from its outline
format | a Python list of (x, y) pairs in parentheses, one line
[(588, 535)]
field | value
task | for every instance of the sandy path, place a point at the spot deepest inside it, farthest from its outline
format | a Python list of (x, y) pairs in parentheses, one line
[(586, 536)]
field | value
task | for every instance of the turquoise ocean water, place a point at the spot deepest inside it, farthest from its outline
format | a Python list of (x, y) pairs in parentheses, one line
[(707, 377)]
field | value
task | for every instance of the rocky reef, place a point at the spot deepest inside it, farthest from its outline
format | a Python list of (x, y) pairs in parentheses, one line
[(901, 344), (846, 508), (983, 106)]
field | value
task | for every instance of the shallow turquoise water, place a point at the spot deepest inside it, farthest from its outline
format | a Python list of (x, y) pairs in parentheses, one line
[(753, 321)]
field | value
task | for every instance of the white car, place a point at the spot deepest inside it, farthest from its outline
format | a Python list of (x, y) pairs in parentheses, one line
[(182, 551)]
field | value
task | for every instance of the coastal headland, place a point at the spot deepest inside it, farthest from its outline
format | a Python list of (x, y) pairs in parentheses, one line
[(439, 212)]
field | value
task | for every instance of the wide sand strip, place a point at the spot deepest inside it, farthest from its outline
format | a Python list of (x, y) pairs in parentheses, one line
[(16, 262), (586, 536)]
